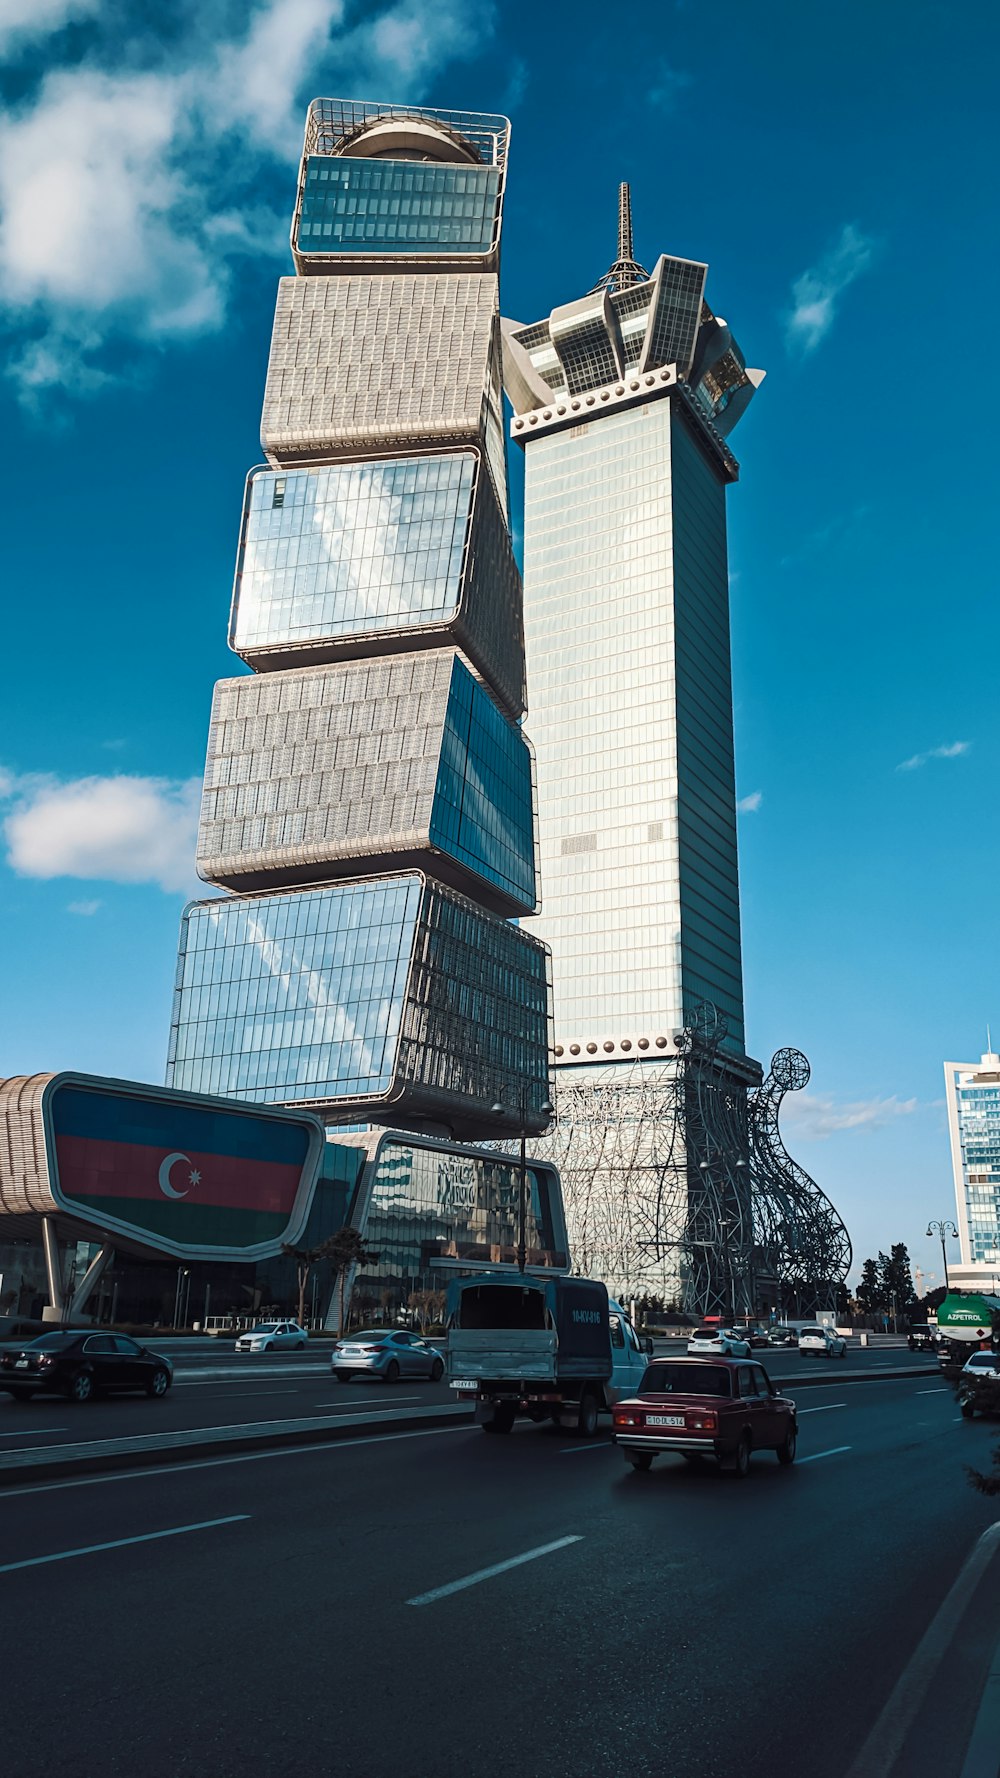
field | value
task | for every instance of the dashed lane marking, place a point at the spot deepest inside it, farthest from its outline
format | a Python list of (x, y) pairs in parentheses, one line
[(119, 1543), (834, 1452), (473, 1580)]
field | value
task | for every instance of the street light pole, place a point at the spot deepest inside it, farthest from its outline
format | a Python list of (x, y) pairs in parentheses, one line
[(943, 1229), (545, 1109)]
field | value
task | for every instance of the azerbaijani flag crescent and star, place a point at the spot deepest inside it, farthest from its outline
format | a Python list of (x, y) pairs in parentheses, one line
[(196, 1174)]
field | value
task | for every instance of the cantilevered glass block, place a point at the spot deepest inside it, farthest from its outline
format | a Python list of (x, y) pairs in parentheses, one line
[(361, 364), (399, 760), (374, 556), (387, 996), (382, 188)]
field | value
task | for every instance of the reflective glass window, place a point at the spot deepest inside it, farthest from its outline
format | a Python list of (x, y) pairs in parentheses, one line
[(351, 548), (383, 206), (482, 802)]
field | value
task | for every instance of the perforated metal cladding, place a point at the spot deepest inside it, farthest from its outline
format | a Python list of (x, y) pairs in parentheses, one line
[(360, 362), (24, 1167), (321, 764), (312, 771)]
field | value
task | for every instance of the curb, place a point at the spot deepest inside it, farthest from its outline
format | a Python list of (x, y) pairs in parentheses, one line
[(178, 1447)]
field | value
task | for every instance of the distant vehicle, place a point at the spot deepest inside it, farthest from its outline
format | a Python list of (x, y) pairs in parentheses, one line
[(782, 1336), (550, 1348), (268, 1336), (386, 1353), (756, 1336), (17, 1328), (80, 1365), (921, 1339), (979, 1385), (822, 1342), (706, 1408), (723, 1342)]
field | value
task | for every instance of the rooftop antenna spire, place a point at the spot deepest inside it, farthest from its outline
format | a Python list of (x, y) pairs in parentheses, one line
[(626, 271)]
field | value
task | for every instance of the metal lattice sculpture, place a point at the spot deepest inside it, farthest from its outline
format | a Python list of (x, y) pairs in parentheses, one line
[(676, 1181)]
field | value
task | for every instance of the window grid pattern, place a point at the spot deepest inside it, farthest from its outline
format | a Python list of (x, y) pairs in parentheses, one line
[(585, 348), (293, 997), (483, 797), (676, 314), (978, 1111), (393, 991), (352, 548), (632, 310), (360, 361), (370, 551), (310, 771), (620, 803), (356, 206), (431, 1212)]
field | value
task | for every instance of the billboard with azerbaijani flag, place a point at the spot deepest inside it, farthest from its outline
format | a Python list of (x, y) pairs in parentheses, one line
[(179, 1173)]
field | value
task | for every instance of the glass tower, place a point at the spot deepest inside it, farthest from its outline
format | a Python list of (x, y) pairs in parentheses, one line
[(972, 1095), (623, 401), (368, 795)]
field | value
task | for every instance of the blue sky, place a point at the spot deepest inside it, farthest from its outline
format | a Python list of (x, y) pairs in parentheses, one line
[(835, 168)]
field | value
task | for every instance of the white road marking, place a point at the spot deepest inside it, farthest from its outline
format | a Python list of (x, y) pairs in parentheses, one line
[(880, 1750), (162, 1469), (473, 1580), (119, 1543), (942, 1391), (24, 1431), (816, 1455), (826, 1409), (596, 1444), (359, 1401), (981, 1753)]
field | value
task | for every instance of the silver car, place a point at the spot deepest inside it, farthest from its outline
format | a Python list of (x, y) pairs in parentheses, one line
[(388, 1353)]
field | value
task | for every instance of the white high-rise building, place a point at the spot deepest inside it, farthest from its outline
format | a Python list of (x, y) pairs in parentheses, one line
[(972, 1093)]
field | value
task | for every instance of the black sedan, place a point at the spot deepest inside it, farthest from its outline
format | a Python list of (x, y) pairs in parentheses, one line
[(82, 1364)]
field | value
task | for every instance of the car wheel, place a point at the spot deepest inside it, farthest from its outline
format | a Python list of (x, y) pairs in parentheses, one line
[(158, 1385), (968, 1412), (437, 1371), (82, 1387), (300, 1345), (392, 1371), (588, 1416), (343, 1376), (501, 1419), (640, 1459), (740, 1462), (786, 1452)]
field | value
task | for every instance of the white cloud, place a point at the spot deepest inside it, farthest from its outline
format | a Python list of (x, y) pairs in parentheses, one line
[(669, 83), (118, 829), (85, 908), (22, 21), (817, 1115), (131, 183), (953, 750), (748, 805), (816, 293)]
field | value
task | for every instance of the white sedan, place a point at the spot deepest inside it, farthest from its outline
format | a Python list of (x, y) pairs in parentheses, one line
[(267, 1336), (822, 1342), (718, 1340)]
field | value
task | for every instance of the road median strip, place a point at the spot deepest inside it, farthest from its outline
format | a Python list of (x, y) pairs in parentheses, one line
[(163, 1447)]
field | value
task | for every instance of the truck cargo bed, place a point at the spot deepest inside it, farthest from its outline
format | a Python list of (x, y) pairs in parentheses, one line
[(522, 1354)]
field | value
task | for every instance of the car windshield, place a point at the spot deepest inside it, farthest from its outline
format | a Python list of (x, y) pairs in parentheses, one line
[(810, 1333), (264, 1327), (685, 1379), (368, 1339), (983, 1361), (54, 1339), (705, 1333)]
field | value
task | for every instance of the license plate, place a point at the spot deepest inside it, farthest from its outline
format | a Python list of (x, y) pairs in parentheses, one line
[(468, 1386), (21, 1364), (664, 1419)]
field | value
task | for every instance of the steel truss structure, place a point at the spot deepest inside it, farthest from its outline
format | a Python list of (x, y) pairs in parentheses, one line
[(677, 1182)]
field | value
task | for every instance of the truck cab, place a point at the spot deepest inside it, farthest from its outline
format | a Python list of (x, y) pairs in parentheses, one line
[(629, 1353)]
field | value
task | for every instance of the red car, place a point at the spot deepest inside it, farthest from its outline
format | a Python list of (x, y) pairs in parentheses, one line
[(724, 1408)]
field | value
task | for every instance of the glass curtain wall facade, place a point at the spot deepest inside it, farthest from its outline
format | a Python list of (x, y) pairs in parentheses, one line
[(368, 793), (628, 660), (972, 1095)]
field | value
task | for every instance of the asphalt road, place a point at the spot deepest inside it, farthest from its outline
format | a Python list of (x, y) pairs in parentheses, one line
[(254, 1387), (294, 1611)]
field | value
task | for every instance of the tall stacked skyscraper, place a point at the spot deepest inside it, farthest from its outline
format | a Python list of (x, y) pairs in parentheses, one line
[(368, 792)]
